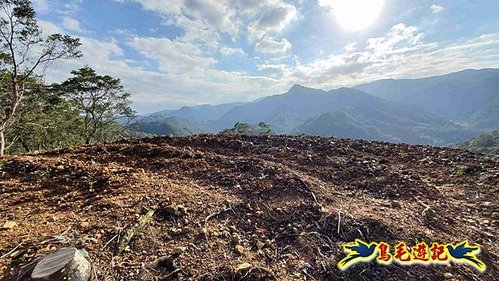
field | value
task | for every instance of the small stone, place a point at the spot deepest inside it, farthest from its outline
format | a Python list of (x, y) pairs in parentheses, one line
[(183, 210), (204, 230), (91, 240), (244, 266), (85, 224), (236, 238), (178, 250), (9, 225), (177, 231), (239, 249), (448, 275)]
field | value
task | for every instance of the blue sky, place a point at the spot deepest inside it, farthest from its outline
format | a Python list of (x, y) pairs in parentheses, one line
[(170, 53)]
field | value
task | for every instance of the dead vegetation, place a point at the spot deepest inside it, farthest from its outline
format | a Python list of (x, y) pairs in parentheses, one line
[(232, 207)]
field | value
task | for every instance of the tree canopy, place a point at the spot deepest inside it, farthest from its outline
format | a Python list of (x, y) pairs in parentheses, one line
[(101, 100), (23, 50)]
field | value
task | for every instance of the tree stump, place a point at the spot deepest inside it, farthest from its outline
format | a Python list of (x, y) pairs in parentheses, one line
[(65, 264)]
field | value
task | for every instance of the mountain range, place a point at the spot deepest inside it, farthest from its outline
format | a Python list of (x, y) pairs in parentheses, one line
[(437, 110)]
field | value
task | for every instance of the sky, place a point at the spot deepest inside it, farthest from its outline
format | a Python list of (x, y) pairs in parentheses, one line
[(170, 53)]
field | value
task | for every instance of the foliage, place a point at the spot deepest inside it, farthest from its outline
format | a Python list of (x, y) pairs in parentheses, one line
[(45, 120), (22, 51), (58, 115), (101, 100), (485, 143), (241, 128)]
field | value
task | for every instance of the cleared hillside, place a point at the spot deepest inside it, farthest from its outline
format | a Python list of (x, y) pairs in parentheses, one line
[(237, 207)]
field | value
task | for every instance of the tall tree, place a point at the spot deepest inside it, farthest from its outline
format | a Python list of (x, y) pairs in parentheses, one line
[(45, 120), (102, 102), (22, 51)]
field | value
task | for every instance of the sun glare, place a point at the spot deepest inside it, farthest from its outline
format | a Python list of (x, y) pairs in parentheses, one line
[(355, 15)]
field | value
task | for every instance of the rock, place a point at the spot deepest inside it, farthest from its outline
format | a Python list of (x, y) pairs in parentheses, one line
[(9, 225), (180, 231), (85, 224), (243, 266), (182, 209), (178, 250), (239, 249), (236, 238), (65, 264)]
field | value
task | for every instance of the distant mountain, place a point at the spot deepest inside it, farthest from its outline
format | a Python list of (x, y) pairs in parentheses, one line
[(187, 120), (341, 122), (470, 97), (348, 113), (484, 143), (200, 113), (168, 125), (283, 112), (439, 110)]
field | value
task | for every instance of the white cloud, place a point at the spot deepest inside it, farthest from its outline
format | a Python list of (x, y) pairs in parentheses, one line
[(183, 70), (48, 27), (398, 36), (216, 13), (40, 6), (400, 53), (179, 72), (274, 70), (207, 15), (350, 47), (203, 20), (172, 56), (269, 45), (227, 51), (270, 18), (71, 24), (437, 9)]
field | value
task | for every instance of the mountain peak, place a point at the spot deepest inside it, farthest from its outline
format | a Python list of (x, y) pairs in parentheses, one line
[(296, 86), (299, 89)]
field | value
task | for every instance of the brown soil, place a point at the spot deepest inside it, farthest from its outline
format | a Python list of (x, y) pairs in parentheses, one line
[(284, 195)]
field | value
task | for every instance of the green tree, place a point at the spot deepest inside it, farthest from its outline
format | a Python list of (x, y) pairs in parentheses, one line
[(45, 120), (241, 128), (264, 129), (102, 102), (22, 51)]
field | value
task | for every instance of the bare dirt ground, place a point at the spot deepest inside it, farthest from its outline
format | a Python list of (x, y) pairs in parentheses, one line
[(230, 208)]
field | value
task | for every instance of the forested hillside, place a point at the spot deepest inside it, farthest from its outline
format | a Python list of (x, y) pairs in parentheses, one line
[(484, 143), (84, 109)]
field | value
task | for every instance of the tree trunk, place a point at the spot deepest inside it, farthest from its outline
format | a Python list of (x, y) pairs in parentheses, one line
[(65, 264), (2, 142)]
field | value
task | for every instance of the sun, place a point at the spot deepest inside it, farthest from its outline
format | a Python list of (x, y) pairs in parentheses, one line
[(355, 15)]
